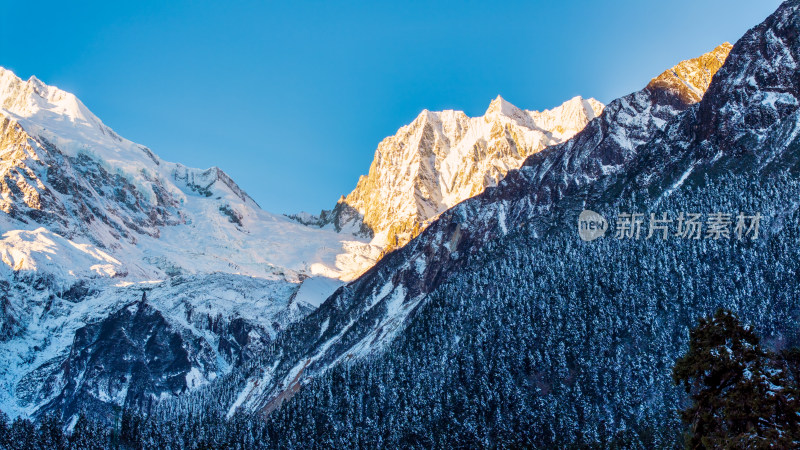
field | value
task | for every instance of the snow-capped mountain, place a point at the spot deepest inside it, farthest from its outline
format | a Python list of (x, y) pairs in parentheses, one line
[(498, 326), (443, 158), (127, 280), (91, 220), (372, 313), (64, 170), (97, 231), (490, 324)]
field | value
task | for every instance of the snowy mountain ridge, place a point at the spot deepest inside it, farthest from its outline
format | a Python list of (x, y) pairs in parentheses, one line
[(443, 158), (364, 318), (91, 222), (62, 169)]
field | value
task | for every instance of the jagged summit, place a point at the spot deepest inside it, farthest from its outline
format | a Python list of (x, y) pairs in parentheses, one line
[(502, 106), (63, 170), (60, 118), (445, 157), (691, 78), (34, 98)]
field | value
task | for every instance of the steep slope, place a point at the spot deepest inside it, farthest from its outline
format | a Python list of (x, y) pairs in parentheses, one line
[(91, 220), (64, 170), (112, 348), (442, 158), (365, 316), (690, 79), (574, 345)]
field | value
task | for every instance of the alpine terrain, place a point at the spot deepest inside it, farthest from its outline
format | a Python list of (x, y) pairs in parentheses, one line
[(449, 301), (369, 314), (127, 279), (498, 326), (442, 158)]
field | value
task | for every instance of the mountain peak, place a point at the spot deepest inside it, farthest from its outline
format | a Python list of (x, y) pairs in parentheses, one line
[(577, 106), (690, 78), (424, 170), (34, 80), (591, 107), (36, 100), (502, 106), (499, 100)]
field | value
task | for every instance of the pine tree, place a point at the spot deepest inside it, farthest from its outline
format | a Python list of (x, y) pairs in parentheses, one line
[(22, 434), (740, 397), (5, 431), (87, 435), (51, 433)]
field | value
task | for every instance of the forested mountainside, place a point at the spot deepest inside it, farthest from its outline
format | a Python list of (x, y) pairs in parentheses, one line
[(498, 325), (443, 158), (91, 222)]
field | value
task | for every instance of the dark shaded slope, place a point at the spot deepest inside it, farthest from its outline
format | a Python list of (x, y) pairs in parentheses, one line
[(359, 315), (498, 325)]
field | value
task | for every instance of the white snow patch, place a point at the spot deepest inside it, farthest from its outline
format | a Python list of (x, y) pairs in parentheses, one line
[(316, 290)]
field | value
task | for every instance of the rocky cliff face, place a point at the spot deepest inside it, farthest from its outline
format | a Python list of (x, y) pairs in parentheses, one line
[(690, 79), (366, 316), (579, 337), (445, 157), (89, 221)]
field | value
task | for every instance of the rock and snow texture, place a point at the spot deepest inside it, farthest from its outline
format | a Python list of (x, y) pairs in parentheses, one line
[(690, 79), (364, 317), (61, 168), (443, 158), (91, 220)]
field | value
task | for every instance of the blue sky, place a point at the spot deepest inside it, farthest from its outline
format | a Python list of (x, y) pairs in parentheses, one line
[(292, 98)]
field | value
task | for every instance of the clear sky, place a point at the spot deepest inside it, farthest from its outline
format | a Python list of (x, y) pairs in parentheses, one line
[(291, 98)]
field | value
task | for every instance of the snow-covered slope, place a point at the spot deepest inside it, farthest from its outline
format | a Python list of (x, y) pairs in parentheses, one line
[(137, 344), (443, 158), (64, 170), (366, 316), (90, 221)]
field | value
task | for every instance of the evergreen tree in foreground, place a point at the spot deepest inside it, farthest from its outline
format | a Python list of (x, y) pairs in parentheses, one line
[(742, 396), (5, 431)]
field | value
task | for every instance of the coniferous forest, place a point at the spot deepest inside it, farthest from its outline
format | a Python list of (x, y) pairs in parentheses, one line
[(470, 371), (498, 326)]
